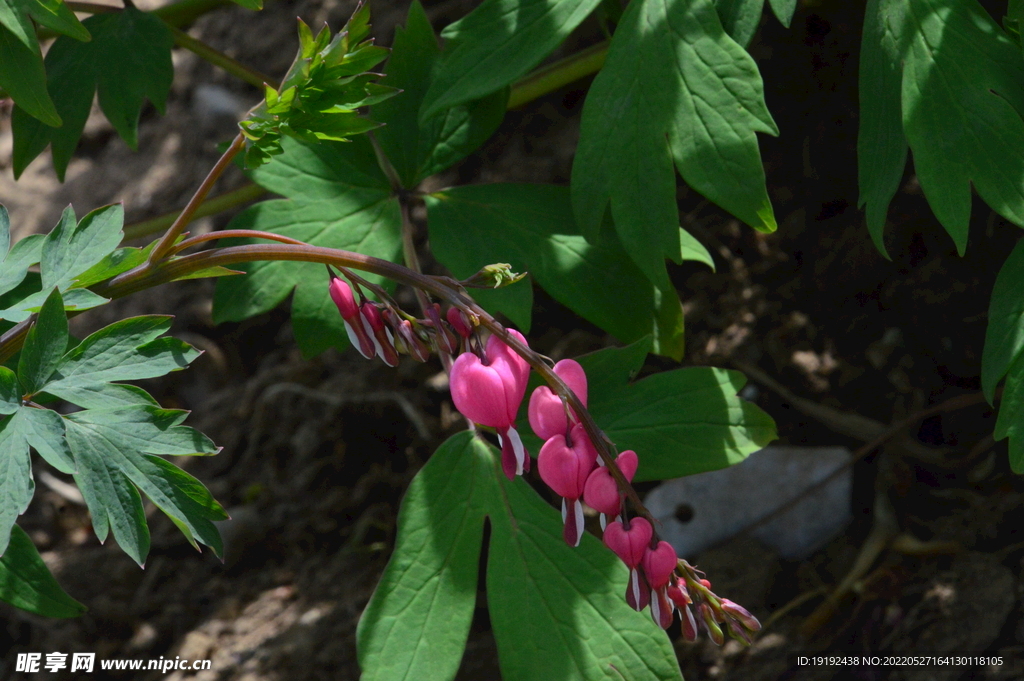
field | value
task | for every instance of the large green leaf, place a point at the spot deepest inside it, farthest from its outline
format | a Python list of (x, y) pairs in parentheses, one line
[(114, 450), (417, 622), (557, 612), (961, 94), (126, 350), (338, 198), (23, 77), (26, 582), (497, 43), (127, 62), (675, 88), (417, 150), (531, 227)]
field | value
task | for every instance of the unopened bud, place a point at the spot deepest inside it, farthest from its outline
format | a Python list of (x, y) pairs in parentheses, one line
[(740, 633), (457, 318), (383, 341), (355, 326), (708, 620), (444, 338), (419, 350), (740, 614), (679, 595)]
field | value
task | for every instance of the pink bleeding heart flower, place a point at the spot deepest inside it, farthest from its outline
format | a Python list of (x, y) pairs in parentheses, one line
[(630, 543), (601, 493), (659, 564), (355, 327), (490, 391), (564, 464), (546, 411)]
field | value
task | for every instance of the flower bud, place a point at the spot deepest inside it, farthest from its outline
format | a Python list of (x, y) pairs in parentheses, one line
[(445, 339), (383, 341), (457, 318), (740, 614), (679, 595), (355, 326), (708, 620), (419, 350), (689, 624)]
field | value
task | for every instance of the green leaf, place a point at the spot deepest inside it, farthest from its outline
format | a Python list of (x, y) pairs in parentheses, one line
[(114, 450), (881, 145), (497, 43), (691, 249), (417, 150), (531, 227), (675, 88), (679, 422), (10, 392), (74, 299), (417, 622), (962, 99), (557, 612), (117, 262), (44, 345), (44, 431), (26, 582), (126, 350), (740, 18), (784, 10), (1004, 336), (560, 612), (127, 62), (53, 14), (1010, 422), (106, 396), (23, 77), (16, 483), (338, 198), (24, 254), (71, 250)]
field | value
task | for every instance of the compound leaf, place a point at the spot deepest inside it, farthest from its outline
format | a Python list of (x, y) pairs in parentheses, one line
[(114, 450), (26, 582), (417, 150), (338, 198), (675, 88), (417, 622), (497, 43), (127, 62)]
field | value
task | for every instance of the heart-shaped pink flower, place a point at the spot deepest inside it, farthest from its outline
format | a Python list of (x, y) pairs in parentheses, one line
[(546, 411), (355, 325), (564, 467), (659, 564), (630, 543), (601, 493)]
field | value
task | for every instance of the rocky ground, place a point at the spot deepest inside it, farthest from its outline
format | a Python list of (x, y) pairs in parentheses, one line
[(317, 453)]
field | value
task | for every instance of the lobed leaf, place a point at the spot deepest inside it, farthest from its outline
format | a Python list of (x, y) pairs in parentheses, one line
[(497, 43), (556, 612), (23, 76), (26, 582), (418, 149), (114, 448), (675, 89), (127, 62), (44, 345)]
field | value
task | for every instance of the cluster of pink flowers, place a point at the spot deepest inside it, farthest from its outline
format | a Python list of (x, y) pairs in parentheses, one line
[(488, 383)]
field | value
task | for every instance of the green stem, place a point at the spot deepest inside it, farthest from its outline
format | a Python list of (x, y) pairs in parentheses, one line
[(218, 58), (171, 235), (222, 202), (547, 79)]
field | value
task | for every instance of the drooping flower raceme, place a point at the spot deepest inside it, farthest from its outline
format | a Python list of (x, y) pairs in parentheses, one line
[(489, 391)]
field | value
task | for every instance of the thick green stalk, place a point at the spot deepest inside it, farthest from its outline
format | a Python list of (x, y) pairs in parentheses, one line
[(547, 79)]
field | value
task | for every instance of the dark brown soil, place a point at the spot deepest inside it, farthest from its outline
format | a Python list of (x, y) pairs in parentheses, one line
[(317, 453)]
